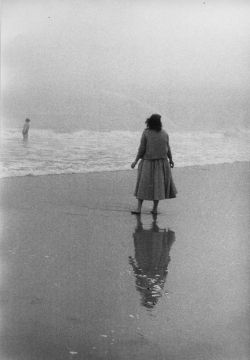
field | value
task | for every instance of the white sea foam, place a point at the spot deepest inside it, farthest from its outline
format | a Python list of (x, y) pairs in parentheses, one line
[(84, 151)]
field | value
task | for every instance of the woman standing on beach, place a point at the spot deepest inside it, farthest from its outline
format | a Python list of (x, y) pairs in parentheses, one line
[(154, 180)]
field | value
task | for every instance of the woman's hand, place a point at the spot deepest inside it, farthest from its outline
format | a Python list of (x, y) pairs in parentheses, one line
[(133, 164), (171, 163)]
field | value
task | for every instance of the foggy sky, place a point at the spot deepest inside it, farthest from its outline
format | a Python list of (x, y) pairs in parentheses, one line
[(108, 64)]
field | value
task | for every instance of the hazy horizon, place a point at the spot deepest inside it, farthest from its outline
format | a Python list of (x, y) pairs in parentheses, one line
[(107, 65)]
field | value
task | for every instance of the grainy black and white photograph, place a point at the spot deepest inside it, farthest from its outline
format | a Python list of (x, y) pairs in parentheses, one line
[(125, 180)]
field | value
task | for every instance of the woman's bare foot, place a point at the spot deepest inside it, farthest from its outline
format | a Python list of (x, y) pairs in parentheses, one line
[(138, 210), (135, 212)]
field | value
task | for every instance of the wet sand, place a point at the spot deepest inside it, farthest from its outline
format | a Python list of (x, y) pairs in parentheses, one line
[(82, 278)]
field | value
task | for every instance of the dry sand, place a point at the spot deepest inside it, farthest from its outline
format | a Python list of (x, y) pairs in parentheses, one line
[(75, 268)]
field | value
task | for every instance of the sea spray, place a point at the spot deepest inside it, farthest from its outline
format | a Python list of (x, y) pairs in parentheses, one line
[(48, 152)]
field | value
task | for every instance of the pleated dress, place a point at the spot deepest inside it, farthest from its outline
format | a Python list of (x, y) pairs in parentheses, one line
[(154, 178)]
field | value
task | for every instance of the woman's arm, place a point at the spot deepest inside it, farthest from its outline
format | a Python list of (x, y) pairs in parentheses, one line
[(170, 155), (141, 150)]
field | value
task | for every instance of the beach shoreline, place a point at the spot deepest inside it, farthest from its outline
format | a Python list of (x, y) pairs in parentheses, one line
[(123, 170), (79, 188), (67, 285)]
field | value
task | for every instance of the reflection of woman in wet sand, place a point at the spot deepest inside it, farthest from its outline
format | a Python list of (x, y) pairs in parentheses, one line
[(150, 266)]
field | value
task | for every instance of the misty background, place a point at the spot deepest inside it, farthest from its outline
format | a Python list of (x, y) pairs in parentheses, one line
[(104, 65)]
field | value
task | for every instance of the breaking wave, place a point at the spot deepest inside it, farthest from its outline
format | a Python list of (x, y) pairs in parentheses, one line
[(48, 152)]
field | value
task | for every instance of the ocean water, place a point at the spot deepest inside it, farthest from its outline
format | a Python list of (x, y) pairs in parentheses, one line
[(49, 152)]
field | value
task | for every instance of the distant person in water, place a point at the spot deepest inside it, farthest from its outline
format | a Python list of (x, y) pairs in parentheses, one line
[(25, 130), (154, 180)]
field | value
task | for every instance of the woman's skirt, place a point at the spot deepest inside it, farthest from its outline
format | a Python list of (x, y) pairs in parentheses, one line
[(154, 180)]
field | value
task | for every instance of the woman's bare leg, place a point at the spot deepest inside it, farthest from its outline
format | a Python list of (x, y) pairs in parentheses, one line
[(154, 211), (139, 206)]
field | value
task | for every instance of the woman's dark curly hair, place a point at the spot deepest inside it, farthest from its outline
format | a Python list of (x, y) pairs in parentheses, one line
[(154, 122)]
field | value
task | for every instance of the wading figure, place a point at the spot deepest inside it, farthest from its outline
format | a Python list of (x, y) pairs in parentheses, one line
[(154, 180), (25, 130), (150, 265)]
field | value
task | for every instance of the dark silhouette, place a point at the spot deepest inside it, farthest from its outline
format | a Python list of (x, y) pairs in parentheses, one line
[(150, 265), (154, 177), (25, 130)]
